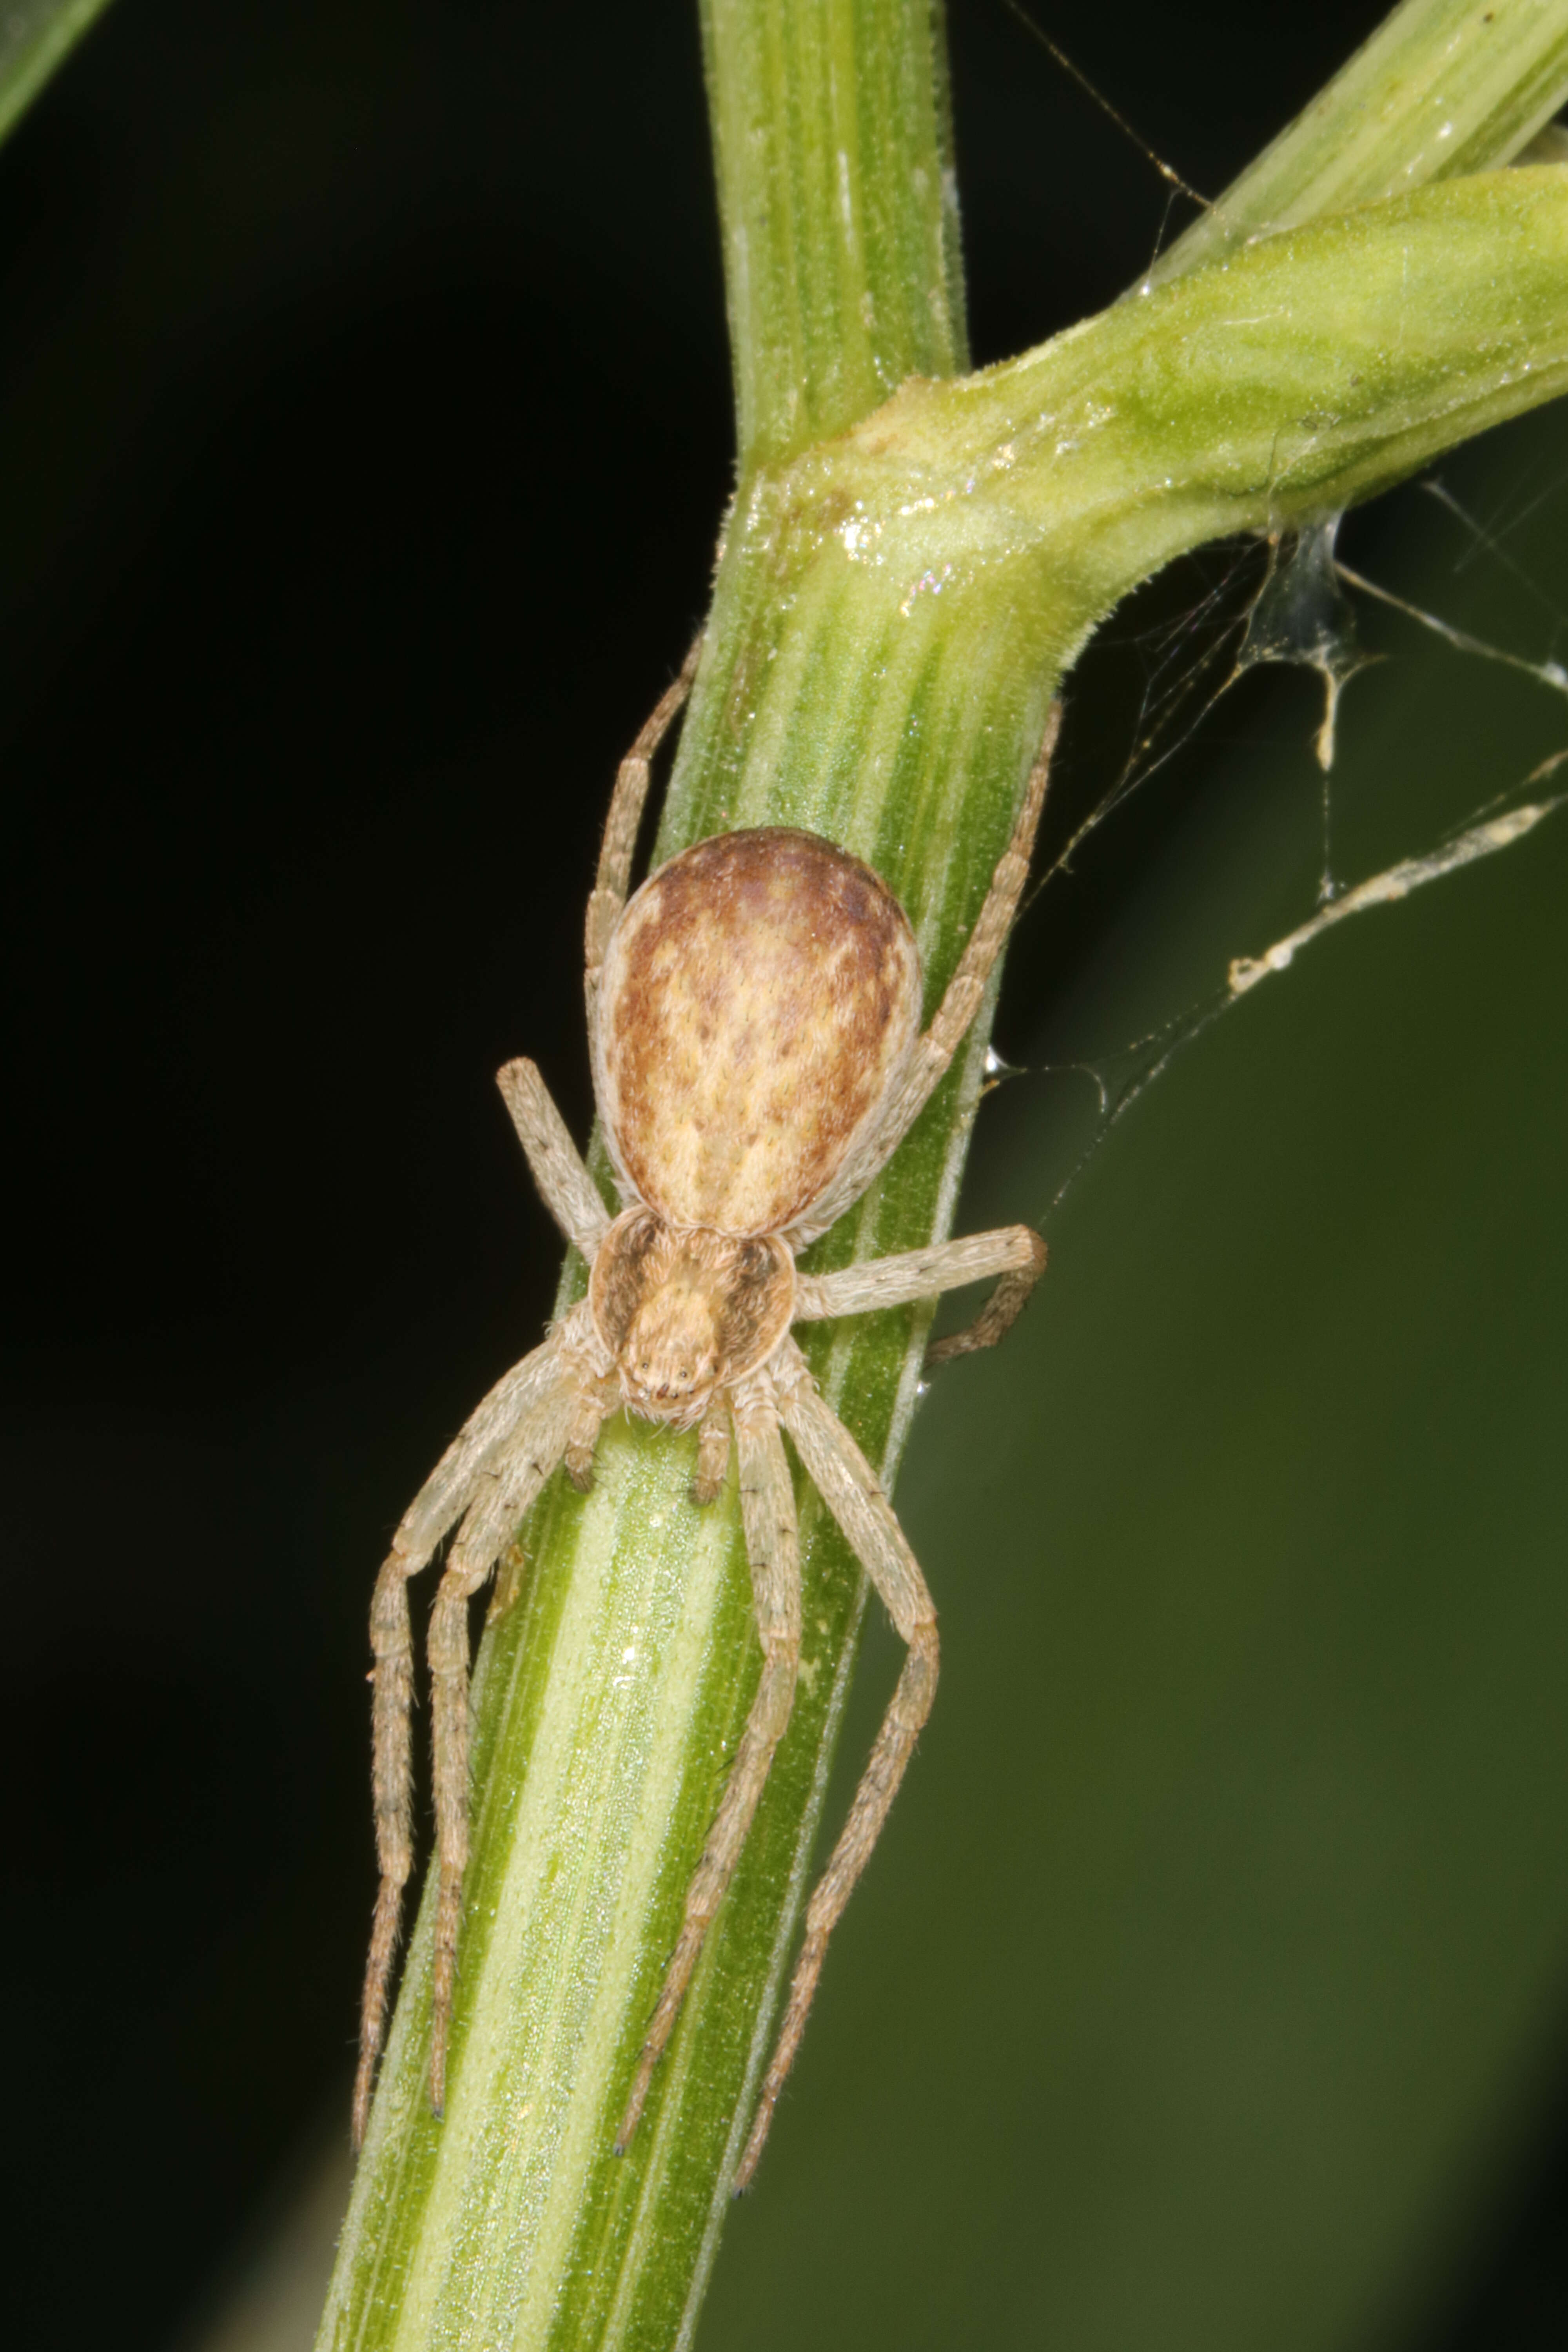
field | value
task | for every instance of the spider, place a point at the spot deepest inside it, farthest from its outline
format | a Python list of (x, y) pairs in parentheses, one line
[(753, 1018)]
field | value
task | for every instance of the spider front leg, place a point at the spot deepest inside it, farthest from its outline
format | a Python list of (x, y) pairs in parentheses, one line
[(773, 1549), (1001, 1311), (712, 1452), (620, 841), (850, 1488), (1015, 1252), (565, 1187)]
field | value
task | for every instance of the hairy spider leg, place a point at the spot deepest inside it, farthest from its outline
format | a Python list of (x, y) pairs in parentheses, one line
[(513, 1402), (1014, 1252), (619, 844), (712, 1452), (565, 1187), (773, 1550), (537, 1445), (850, 1488), (1004, 1307), (392, 1704), (961, 1001), (932, 1051)]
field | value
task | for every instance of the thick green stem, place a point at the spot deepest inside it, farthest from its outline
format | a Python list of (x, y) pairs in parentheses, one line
[(832, 149), (893, 609), (1280, 384), (608, 1705)]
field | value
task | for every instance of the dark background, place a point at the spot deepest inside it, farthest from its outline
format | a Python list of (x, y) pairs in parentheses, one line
[(363, 434)]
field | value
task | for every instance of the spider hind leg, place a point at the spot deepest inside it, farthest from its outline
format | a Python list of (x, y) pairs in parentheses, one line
[(853, 1493), (773, 1550)]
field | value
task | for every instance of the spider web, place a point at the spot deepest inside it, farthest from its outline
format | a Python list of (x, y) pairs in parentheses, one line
[(1294, 602), (1288, 602)]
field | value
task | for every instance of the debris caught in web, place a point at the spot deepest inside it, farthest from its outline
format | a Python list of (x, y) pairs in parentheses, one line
[(1303, 616)]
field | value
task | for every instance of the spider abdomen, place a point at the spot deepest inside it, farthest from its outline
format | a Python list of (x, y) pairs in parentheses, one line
[(758, 995)]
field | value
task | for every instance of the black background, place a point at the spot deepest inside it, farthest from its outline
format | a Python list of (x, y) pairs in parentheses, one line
[(363, 434)]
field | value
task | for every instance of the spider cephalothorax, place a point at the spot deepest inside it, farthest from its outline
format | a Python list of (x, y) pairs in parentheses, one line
[(682, 1310), (753, 1017)]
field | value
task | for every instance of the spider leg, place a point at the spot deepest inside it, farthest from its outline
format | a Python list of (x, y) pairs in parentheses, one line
[(1015, 1252), (445, 1495), (564, 1185), (932, 1054), (1001, 1311), (964, 990), (767, 1508), (394, 1680), (537, 1445), (451, 1487), (850, 1488), (712, 1452), (619, 844)]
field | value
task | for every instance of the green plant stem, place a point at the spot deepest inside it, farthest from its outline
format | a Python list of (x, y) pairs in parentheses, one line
[(893, 609), (607, 1703), (833, 150), (1442, 88), (1280, 384)]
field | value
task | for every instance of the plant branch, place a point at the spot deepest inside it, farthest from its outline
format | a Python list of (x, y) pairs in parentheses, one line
[(1442, 88), (833, 151)]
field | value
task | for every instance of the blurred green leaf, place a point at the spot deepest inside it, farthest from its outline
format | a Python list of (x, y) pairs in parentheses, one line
[(37, 36)]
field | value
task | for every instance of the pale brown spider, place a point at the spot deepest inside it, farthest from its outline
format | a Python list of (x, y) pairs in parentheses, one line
[(753, 1019)]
